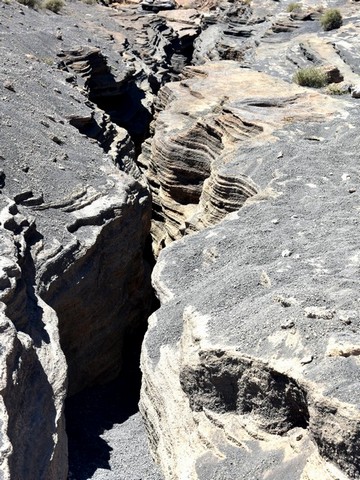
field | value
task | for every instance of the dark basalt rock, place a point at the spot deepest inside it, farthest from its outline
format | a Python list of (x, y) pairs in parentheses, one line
[(112, 115)]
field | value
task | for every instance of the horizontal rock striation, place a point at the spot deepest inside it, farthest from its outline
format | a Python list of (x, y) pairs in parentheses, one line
[(255, 345), (200, 122)]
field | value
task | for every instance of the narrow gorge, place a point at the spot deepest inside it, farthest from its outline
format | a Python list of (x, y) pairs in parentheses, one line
[(169, 191)]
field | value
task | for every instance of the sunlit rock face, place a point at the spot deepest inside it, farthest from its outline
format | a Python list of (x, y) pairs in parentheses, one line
[(250, 366), (73, 227), (202, 123)]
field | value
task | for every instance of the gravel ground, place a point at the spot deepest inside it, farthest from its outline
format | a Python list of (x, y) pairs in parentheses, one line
[(107, 438)]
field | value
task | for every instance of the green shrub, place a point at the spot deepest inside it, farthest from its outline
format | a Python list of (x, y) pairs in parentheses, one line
[(53, 5), (293, 6), (28, 3), (331, 19), (335, 89), (311, 77)]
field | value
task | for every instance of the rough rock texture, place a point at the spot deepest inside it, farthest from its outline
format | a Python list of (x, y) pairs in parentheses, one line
[(201, 123), (250, 366), (255, 348), (251, 363), (73, 227)]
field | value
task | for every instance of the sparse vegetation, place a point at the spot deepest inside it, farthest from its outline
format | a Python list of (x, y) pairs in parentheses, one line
[(47, 60), (292, 7), (336, 89), (53, 5), (311, 77), (28, 3), (331, 19)]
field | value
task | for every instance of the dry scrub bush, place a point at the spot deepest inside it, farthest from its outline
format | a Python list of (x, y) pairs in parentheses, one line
[(310, 77), (331, 19)]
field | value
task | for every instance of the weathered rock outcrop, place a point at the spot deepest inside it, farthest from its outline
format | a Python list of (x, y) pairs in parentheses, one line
[(73, 227), (250, 366), (251, 363), (201, 122)]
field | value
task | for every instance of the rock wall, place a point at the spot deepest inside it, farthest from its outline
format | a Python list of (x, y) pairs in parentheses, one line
[(201, 122), (250, 365), (73, 227)]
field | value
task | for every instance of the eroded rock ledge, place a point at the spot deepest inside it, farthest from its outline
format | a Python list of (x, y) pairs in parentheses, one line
[(202, 121), (250, 366), (251, 363), (74, 281)]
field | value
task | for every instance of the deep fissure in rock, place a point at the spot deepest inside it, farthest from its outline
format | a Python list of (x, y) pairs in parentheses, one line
[(120, 103), (96, 409), (115, 401)]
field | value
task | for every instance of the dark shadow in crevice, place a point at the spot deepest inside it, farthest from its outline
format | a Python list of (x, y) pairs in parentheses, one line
[(127, 111), (96, 409)]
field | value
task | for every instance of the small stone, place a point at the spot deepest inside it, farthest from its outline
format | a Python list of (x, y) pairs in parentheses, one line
[(2, 178), (286, 253), (333, 74), (57, 140), (280, 155), (355, 92), (9, 86), (275, 221), (346, 318), (352, 190), (306, 360), (319, 312), (284, 302), (265, 280), (287, 325)]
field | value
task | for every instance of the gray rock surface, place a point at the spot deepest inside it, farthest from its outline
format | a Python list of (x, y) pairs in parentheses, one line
[(73, 231), (251, 363), (255, 347), (256, 342)]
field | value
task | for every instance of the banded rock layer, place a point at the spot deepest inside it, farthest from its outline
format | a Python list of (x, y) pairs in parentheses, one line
[(201, 121), (250, 366)]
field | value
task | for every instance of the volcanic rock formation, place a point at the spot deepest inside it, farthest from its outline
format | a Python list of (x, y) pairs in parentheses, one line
[(117, 123)]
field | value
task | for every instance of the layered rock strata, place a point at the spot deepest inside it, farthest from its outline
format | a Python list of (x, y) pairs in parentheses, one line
[(250, 366), (201, 121)]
